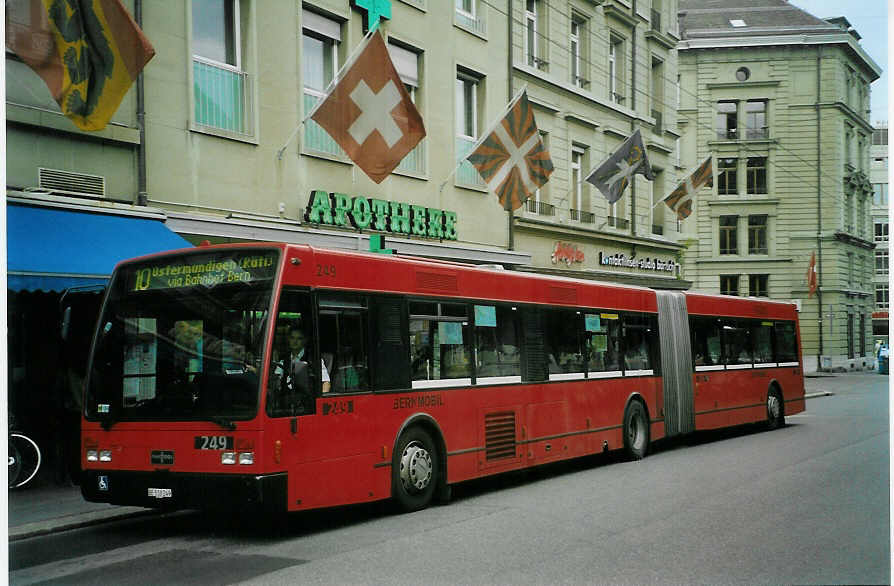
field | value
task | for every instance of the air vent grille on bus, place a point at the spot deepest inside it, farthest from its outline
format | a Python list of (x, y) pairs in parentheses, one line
[(438, 281), (68, 182), (499, 435)]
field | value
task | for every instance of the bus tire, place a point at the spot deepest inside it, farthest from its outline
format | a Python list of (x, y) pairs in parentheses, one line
[(636, 431), (775, 409), (414, 470)]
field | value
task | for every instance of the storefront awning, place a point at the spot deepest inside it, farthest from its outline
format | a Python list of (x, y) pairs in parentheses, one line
[(53, 249)]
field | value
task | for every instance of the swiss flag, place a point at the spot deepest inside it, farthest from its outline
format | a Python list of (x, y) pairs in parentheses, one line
[(369, 112)]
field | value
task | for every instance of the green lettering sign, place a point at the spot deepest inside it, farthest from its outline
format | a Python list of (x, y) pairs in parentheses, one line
[(320, 209), (342, 205)]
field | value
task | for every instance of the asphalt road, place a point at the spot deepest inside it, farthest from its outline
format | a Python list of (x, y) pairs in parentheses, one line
[(806, 504)]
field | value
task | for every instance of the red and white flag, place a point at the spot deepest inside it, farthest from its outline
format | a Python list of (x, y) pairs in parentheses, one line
[(811, 276), (680, 199), (369, 113)]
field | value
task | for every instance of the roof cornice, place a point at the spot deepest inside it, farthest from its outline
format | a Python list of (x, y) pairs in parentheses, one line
[(732, 42)]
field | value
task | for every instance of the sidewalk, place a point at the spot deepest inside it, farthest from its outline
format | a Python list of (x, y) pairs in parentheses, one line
[(47, 508)]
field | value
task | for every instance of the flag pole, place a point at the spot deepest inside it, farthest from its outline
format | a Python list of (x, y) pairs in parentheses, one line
[(348, 63), (483, 136)]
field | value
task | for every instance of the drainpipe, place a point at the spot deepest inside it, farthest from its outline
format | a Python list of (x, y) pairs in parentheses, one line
[(509, 95), (633, 120), (142, 195), (819, 210)]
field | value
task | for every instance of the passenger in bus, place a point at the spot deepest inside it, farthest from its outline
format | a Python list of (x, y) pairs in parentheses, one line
[(297, 341)]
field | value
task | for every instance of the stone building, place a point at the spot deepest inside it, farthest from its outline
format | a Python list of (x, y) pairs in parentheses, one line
[(781, 98), (878, 175)]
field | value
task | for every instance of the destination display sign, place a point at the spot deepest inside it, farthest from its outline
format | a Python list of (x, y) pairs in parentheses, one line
[(205, 270)]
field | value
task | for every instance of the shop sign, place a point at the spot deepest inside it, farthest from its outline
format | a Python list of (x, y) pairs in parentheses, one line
[(567, 253), (879, 315), (338, 209), (644, 264)]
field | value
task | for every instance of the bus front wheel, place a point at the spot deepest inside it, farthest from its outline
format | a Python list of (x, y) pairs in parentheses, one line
[(775, 409), (414, 470), (636, 431)]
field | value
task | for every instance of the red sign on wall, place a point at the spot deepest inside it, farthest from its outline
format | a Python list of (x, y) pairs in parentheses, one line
[(567, 253)]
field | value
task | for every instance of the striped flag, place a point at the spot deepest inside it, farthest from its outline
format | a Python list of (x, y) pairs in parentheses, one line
[(811, 276), (680, 199), (512, 159), (88, 52)]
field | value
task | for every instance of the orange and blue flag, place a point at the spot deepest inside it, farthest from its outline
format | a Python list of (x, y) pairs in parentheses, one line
[(88, 52), (512, 158)]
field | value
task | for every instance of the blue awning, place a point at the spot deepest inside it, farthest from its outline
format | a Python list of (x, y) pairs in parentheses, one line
[(53, 249)]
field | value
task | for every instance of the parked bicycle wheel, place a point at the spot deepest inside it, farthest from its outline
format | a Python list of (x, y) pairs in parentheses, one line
[(24, 460)]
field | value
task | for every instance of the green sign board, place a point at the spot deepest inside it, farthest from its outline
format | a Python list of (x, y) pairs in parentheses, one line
[(363, 213)]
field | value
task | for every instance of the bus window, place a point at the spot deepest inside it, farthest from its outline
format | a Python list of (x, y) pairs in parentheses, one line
[(440, 344), (603, 341), (296, 373), (786, 342), (496, 343), (390, 352), (763, 342), (706, 347), (535, 363), (563, 342), (641, 351), (343, 342), (737, 343)]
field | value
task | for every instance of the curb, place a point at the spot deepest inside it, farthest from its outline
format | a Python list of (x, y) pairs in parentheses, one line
[(818, 394), (69, 522)]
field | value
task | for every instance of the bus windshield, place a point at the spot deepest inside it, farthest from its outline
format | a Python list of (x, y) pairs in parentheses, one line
[(181, 338)]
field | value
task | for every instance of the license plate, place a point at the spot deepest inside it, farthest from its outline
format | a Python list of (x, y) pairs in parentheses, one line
[(160, 493)]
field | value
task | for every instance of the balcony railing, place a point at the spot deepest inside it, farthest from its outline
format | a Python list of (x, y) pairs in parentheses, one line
[(541, 208), (727, 134), (467, 174), (582, 217), (471, 22), (222, 98), (621, 223), (414, 162), (757, 133), (315, 138)]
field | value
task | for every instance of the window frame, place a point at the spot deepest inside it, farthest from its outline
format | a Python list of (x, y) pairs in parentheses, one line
[(730, 280), (727, 176), (755, 117), (728, 235), (757, 234)]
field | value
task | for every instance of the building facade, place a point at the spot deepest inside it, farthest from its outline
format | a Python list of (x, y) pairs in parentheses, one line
[(596, 72), (781, 99), (878, 175)]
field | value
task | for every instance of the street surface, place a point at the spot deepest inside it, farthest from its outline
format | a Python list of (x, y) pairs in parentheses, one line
[(806, 504)]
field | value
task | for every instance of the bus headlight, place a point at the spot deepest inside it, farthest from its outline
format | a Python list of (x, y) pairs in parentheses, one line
[(105, 455), (246, 457), (228, 457), (92, 455)]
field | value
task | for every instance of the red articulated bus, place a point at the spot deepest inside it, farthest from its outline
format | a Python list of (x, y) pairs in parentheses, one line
[(287, 377)]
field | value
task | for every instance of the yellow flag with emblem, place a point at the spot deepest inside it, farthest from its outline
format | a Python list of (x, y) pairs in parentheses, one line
[(88, 52)]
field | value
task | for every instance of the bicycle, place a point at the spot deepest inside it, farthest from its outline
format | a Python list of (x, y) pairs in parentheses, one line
[(23, 459)]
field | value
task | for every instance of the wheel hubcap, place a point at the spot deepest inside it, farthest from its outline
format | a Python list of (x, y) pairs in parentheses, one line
[(773, 407), (415, 467), (635, 436)]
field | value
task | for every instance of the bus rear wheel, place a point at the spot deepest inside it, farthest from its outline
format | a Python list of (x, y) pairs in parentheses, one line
[(414, 470), (775, 409), (636, 431)]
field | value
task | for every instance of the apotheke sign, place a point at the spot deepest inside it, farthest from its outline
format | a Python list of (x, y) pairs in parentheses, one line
[(338, 209), (644, 264)]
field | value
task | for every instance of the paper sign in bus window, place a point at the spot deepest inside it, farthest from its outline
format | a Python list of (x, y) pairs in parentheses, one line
[(592, 323), (486, 316), (600, 343), (450, 332)]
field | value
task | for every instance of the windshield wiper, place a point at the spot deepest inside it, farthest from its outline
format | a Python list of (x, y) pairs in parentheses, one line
[(224, 423)]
